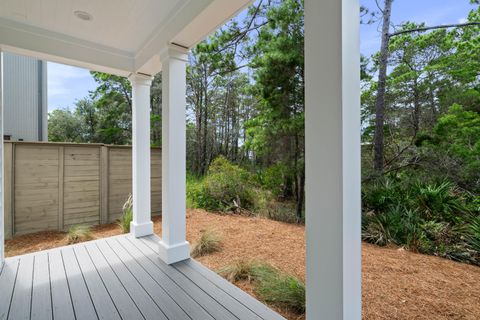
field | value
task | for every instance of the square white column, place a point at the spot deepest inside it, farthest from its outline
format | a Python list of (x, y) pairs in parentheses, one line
[(332, 160), (141, 224), (2, 201), (174, 247)]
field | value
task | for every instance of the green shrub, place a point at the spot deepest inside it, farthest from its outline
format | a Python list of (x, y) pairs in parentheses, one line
[(127, 215), (398, 226), (209, 242), (79, 233), (273, 179), (473, 234), (439, 201), (381, 195), (226, 187)]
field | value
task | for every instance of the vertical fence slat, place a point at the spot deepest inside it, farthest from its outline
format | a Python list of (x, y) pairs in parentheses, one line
[(104, 187), (61, 182)]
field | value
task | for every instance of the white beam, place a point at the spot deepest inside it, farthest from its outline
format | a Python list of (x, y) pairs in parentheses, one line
[(332, 126), (173, 246), (141, 224), (2, 202), (47, 45)]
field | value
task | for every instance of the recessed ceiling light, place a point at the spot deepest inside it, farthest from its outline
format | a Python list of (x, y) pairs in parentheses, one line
[(85, 16)]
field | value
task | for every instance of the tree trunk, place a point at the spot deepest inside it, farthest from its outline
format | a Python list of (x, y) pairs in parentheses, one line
[(380, 101), (416, 108)]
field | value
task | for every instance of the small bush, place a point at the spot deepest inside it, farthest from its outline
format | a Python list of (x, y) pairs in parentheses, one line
[(209, 242), (79, 233), (271, 285), (473, 234), (398, 226), (227, 187), (127, 215), (381, 195), (273, 179), (439, 200)]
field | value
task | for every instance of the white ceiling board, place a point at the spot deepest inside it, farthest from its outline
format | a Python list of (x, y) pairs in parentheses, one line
[(123, 36)]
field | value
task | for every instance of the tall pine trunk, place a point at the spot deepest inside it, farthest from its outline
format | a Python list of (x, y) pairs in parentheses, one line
[(380, 101)]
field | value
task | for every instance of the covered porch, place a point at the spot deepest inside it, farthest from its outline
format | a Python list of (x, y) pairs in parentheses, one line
[(119, 277), (143, 276)]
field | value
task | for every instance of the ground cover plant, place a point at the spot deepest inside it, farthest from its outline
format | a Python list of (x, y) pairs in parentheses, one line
[(79, 233), (210, 241)]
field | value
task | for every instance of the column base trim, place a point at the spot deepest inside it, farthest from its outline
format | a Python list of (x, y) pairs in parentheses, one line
[(171, 254), (141, 230)]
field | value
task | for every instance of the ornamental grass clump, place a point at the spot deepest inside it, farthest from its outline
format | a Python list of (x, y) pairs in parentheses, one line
[(79, 233), (209, 242), (270, 284), (127, 215)]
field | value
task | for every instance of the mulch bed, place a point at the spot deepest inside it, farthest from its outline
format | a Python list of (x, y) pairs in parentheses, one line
[(397, 284)]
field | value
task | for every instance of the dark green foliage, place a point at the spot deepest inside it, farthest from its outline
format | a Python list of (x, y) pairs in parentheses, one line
[(273, 178), (473, 234), (433, 217), (226, 187)]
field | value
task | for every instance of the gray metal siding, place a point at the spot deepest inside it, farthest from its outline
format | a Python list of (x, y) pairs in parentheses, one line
[(24, 97)]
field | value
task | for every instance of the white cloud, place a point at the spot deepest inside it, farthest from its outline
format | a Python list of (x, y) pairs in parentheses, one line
[(67, 84), (463, 20), (59, 76)]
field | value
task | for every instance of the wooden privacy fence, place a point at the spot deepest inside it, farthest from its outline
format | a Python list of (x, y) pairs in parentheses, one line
[(52, 186)]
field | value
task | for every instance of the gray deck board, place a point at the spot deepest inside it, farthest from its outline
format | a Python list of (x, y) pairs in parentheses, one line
[(61, 299), (118, 278), (82, 303), (101, 298), (7, 285), (20, 305), (206, 301), (250, 302), (143, 300), (122, 300), (161, 298), (187, 303), (41, 295)]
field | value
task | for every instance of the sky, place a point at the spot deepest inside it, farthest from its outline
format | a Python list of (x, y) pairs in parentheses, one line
[(67, 84)]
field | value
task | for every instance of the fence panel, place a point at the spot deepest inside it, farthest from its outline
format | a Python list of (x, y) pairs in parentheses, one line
[(52, 186)]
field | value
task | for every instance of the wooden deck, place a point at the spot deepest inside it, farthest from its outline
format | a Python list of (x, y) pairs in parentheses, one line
[(118, 278)]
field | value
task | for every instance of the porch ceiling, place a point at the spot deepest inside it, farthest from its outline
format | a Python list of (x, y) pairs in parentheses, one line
[(122, 36)]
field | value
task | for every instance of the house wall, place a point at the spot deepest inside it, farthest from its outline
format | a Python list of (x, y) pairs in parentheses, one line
[(52, 186), (25, 98)]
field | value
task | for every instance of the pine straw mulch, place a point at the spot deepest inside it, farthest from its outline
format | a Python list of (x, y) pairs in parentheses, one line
[(396, 284)]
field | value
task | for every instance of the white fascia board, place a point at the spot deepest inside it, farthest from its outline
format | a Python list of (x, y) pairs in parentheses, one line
[(194, 22), (46, 45)]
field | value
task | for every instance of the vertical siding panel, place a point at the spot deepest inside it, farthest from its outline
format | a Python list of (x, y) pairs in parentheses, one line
[(21, 97)]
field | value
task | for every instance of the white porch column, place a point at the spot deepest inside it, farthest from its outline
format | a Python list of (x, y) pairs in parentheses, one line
[(2, 202), (173, 246), (332, 126), (141, 224)]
